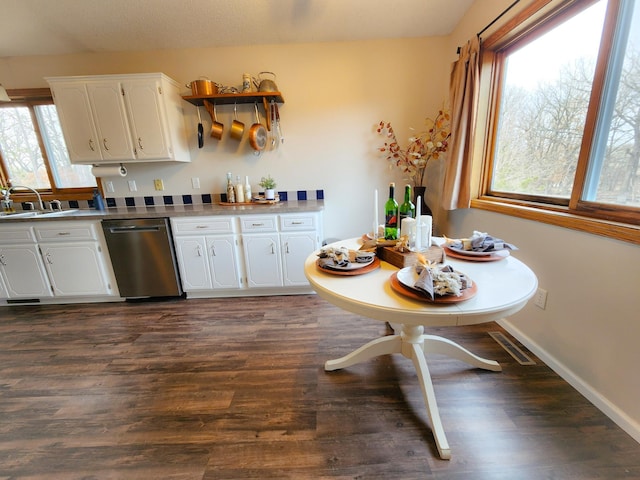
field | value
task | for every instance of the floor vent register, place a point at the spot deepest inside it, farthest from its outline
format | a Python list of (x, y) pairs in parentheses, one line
[(512, 349)]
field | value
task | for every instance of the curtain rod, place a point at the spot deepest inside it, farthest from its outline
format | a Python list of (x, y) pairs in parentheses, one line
[(504, 12)]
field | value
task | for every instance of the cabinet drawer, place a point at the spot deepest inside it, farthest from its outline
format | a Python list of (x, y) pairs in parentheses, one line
[(259, 223), (66, 231), (17, 235), (297, 222), (206, 225)]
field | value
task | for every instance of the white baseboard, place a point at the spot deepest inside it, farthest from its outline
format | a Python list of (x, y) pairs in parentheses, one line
[(603, 404)]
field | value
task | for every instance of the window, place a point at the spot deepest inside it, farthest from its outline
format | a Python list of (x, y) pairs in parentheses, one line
[(33, 151), (565, 129)]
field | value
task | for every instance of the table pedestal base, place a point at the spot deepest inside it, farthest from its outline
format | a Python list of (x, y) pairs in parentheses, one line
[(413, 343)]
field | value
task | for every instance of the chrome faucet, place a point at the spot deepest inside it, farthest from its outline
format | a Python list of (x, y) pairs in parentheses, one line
[(12, 190)]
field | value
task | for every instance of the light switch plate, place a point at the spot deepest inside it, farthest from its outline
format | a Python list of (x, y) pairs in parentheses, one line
[(158, 184), (132, 186), (195, 182)]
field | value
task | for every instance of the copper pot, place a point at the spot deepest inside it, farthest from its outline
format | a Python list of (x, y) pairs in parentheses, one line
[(203, 87), (216, 127), (257, 134)]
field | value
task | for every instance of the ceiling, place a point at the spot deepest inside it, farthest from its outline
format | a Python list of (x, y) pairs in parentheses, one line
[(46, 27)]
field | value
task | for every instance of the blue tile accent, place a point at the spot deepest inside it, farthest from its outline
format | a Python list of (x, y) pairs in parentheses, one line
[(168, 199), (302, 195), (320, 194), (223, 197), (73, 204), (148, 201), (130, 201), (206, 198), (283, 196), (187, 200), (111, 202)]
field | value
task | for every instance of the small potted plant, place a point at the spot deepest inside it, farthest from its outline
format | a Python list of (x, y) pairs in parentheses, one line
[(269, 185)]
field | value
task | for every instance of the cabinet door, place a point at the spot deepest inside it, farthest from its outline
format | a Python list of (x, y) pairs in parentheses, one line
[(23, 272), (262, 260), (147, 118), (76, 269), (296, 247), (191, 253), (74, 110), (111, 120), (223, 257)]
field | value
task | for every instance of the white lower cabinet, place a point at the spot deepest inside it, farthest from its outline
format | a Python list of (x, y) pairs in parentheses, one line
[(296, 247), (247, 254), (299, 237), (75, 258), (23, 272), (262, 260), (40, 260), (207, 253)]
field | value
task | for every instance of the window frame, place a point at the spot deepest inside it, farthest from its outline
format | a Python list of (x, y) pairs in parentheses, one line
[(30, 98), (616, 221)]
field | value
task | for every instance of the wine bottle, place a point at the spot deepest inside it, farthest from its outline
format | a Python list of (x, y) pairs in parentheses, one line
[(391, 215), (407, 208)]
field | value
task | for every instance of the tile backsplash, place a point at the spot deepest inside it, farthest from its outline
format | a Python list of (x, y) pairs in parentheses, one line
[(149, 201)]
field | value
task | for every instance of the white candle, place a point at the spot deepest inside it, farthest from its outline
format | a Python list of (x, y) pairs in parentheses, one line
[(426, 222), (418, 246), (408, 228), (375, 214)]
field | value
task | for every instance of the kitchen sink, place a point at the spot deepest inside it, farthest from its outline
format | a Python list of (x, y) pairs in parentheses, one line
[(37, 214)]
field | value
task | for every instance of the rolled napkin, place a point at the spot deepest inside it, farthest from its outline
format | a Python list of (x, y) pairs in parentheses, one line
[(480, 242), (342, 256), (439, 281)]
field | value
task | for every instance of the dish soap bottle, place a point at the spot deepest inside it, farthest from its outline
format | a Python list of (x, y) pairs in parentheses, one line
[(98, 202), (231, 191)]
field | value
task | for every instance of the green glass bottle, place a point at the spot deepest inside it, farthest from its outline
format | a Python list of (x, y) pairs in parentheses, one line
[(407, 209), (391, 215)]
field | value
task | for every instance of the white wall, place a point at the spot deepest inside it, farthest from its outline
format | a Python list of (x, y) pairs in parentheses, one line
[(335, 94), (590, 329)]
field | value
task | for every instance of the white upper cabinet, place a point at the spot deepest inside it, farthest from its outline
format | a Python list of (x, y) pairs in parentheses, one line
[(121, 118)]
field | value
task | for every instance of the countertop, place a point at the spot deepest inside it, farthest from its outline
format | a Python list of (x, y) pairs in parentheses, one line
[(175, 211)]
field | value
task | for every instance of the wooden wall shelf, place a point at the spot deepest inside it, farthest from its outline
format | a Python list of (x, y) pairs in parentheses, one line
[(239, 98)]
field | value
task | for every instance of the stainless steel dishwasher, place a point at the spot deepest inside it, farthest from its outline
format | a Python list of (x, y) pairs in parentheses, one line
[(143, 257)]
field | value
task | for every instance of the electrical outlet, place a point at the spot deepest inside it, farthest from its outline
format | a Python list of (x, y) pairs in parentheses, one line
[(540, 298), (195, 182), (132, 186), (109, 186), (158, 184)]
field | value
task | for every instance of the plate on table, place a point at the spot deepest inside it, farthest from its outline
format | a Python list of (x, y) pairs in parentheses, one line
[(403, 282), (469, 253), (353, 268), (487, 257)]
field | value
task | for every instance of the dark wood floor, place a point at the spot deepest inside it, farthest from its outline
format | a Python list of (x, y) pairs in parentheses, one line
[(235, 389)]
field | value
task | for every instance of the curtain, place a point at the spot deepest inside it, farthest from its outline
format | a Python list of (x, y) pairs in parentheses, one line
[(463, 93)]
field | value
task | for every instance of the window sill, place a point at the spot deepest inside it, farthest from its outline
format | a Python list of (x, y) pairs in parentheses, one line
[(561, 218)]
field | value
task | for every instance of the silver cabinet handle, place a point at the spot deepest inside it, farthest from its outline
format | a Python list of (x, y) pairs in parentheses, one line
[(62, 234), (286, 247), (49, 261), (273, 248), (257, 224), (140, 143), (198, 251), (91, 145), (104, 142), (213, 251), (2, 261)]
